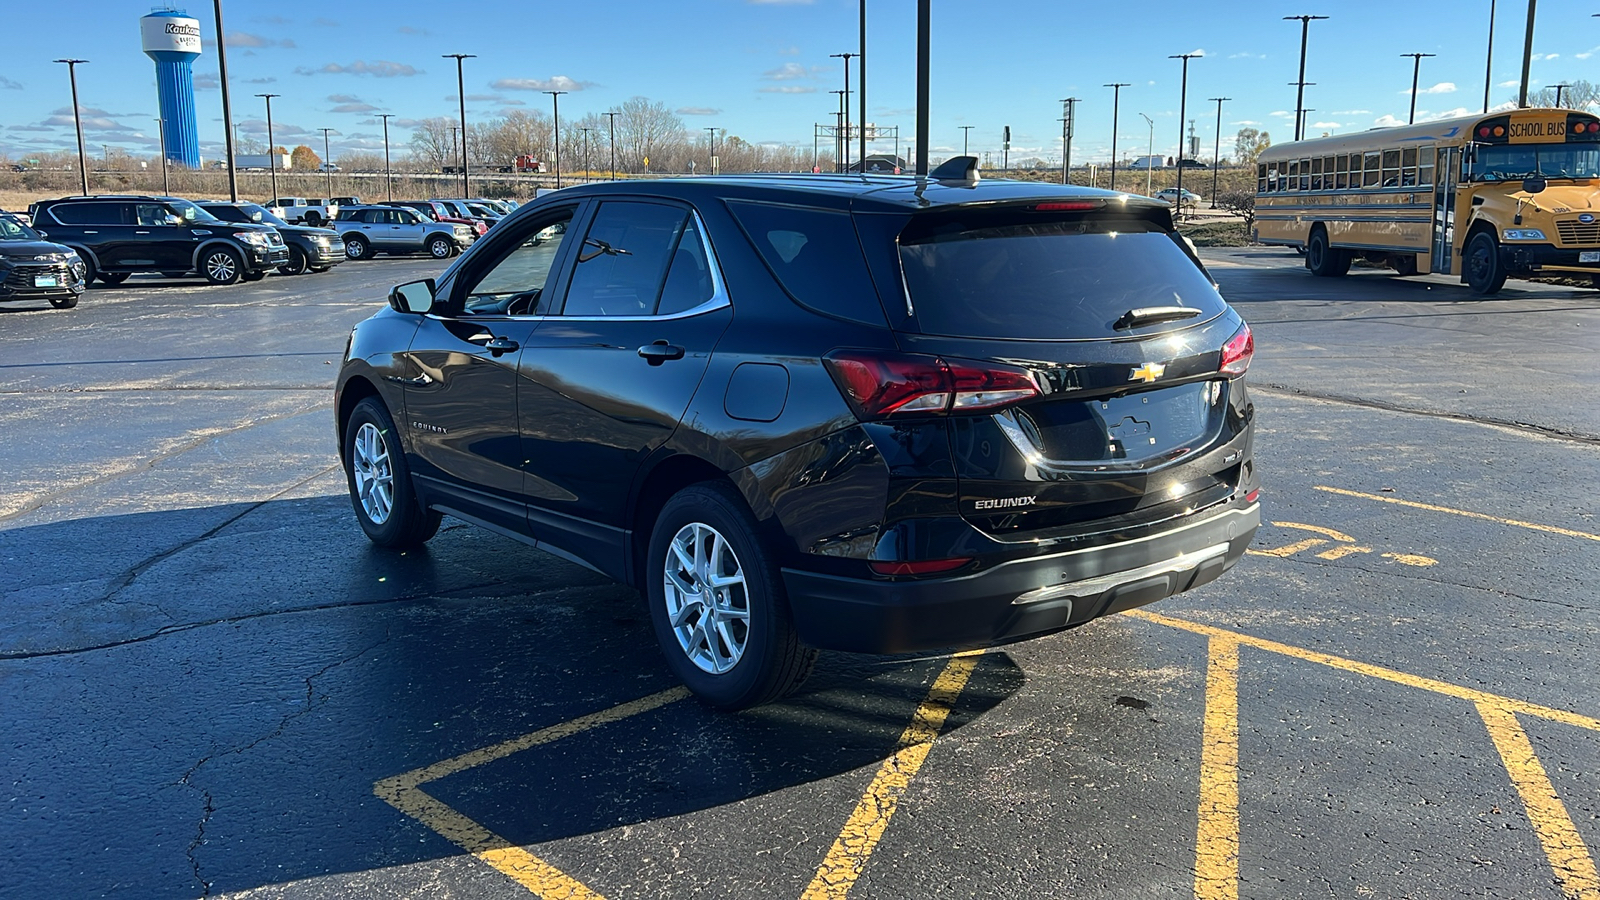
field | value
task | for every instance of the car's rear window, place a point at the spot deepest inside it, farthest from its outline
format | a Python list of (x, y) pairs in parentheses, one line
[(816, 256), (1020, 276)]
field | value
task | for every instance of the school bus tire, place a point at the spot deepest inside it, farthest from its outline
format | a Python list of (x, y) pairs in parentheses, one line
[(1322, 258), (1481, 266)]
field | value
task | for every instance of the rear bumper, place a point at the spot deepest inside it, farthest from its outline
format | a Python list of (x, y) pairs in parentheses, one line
[(1017, 599)]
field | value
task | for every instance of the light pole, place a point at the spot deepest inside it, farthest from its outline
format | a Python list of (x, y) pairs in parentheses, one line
[(1216, 151), (1116, 103), (612, 118), (1300, 94), (1149, 152), (1304, 115), (924, 41), (1527, 57), (77, 121), (555, 105), (711, 153), (461, 93), (1069, 108), (587, 177), (846, 101), (839, 135), (863, 64), (166, 182), (272, 156), (327, 160), (1559, 88), (964, 130), (227, 109), (388, 178), (1488, 62), (1183, 111), (1416, 71)]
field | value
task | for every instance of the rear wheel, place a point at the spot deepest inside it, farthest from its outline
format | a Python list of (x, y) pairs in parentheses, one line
[(1404, 265), (1485, 273), (114, 277), (718, 604), (357, 248), (221, 266), (66, 302), (385, 501), (1322, 259), (312, 219), (297, 264)]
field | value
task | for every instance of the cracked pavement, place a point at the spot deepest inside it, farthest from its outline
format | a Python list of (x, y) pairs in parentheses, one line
[(207, 668)]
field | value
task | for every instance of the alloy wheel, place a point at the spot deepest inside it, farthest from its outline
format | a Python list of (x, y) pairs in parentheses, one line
[(374, 475), (708, 607), (440, 249), (220, 266)]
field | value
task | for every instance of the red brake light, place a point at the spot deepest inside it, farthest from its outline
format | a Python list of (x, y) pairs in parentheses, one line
[(884, 384), (1071, 205), (1484, 131), (1236, 353), (918, 567)]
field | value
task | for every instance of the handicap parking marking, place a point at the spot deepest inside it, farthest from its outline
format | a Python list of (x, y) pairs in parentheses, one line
[(1535, 526), (1345, 546), (1217, 826)]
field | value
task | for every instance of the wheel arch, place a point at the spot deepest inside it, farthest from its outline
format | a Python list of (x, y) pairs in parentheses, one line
[(355, 389), (208, 246), (83, 251), (658, 485)]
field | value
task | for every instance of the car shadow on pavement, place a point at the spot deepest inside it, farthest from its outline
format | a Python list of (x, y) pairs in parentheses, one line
[(203, 700), (1243, 287)]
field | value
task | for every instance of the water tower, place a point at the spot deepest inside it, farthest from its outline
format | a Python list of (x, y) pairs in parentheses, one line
[(172, 39)]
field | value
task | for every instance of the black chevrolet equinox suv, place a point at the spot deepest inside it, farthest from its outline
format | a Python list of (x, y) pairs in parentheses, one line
[(876, 414), (119, 235)]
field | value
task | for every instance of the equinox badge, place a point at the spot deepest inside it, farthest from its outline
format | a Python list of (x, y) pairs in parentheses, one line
[(1005, 503)]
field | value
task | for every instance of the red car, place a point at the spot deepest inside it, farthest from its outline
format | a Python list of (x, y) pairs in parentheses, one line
[(438, 213)]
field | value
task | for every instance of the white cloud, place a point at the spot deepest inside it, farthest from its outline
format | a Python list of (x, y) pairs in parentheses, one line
[(1247, 55), (1282, 113), (381, 68), (789, 89), (789, 71), (1443, 87), (1387, 121), (553, 83), (1245, 122), (1541, 57), (246, 39), (1352, 112), (697, 111), (1512, 83), (1326, 125)]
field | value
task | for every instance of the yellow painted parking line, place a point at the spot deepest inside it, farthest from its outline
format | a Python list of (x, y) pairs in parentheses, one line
[(1563, 846), (1216, 866), (864, 829), (1319, 529), (1342, 550), (404, 792), (1552, 529), (1289, 550)]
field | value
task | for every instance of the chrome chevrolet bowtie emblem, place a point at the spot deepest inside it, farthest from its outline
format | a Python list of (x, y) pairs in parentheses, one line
[(1148, 372)]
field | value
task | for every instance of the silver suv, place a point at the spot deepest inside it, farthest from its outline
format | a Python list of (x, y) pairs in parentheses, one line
[(386, 229)]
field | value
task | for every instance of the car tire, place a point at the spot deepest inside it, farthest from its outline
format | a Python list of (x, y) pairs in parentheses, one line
[(173, 274), (114, 278), (89, 271), (298, 264), (441, 247), (381, 491), (312, 219), (356, 248), (1485, 274), (221, 265), (256, 275), (1322, 259), (66, 302), (317, 270), (752, 654)]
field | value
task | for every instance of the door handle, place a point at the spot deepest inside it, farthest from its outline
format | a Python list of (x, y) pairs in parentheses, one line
[(659, 352), (141, 232), (499, 345)]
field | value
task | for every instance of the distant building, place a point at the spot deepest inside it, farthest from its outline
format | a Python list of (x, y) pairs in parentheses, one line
[(882, 163)]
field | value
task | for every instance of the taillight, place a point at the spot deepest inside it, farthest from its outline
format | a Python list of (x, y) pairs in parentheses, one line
[(885, 384), (918, 567), (1236, 353)]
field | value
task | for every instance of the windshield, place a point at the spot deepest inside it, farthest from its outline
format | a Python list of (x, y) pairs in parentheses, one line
[(1506, 163), (191, 212), (261, 215), (12, 230)]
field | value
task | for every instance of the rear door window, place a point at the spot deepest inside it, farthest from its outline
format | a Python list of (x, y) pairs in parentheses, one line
[(88, 214), (1017, 275), (623, 260)]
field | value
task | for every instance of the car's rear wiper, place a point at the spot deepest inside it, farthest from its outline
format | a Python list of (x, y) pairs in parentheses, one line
[(1150, 315)]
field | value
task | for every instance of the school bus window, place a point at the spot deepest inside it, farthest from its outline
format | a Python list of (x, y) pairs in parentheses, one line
[(1316, 174), (1293, 181), (1305, 174), (1408, 167), (1391, 168), (1342, 169), (1327, 168), (1261, 178), (1425, 166), (1370, 175)]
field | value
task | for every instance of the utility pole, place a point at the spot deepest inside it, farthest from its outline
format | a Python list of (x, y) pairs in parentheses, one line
[(461, 94), (587, 174), (1488, 63), (863, 64), (272, 156), (924, 39), (77, 121), (839, 136), (1216, 151), (1069, 127), (166, 183), (964, 134), (1527, 57), (227, 110), (1116, 103), (388, 177), (1559, 88), (1005, 149), (555, 106), (327, 160), (846, 102), (711, 154), (1183, 111), (1300, 94), (1416, 70), (611, 117), (1150, 151)]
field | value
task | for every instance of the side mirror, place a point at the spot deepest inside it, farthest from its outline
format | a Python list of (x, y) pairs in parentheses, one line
[(42, 233), (173, 219), (1534, 185), (412, 297)]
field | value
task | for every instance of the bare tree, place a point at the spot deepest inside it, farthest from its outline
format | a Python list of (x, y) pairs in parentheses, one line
[(1579, 94), (433, 143), (1240, 203), (649, 130), (1249, 144)]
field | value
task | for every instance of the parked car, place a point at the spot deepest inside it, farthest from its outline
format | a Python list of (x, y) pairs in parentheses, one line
[(1192, 164), (118, 235), (346, 201), (310, 249), (328, 167), (367, 230), (311, 211), (459, 210), (439, 213), (31, 267), (1169, 196), (20, 216), (484, 211), (805, 413)]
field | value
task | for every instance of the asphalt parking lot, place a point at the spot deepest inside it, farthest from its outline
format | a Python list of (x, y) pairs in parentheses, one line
[(215, 686)]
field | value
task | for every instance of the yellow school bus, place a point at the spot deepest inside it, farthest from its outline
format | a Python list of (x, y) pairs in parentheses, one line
[(1487, 197)]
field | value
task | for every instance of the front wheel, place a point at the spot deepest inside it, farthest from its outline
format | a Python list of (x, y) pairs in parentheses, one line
[(297, 264), (66, 302), (375, 468), (718, 604), (441, 247), (356, 248), (1485, 272), (1322, 259), (221, 266)]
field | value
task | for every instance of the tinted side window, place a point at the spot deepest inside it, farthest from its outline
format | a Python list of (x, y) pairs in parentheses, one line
[(88, 213), (516, 283), (623, 259), (689, 281), (150, 214), (815, 255)]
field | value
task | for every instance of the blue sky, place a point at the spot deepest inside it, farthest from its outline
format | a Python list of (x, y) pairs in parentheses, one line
[(761, 68)]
